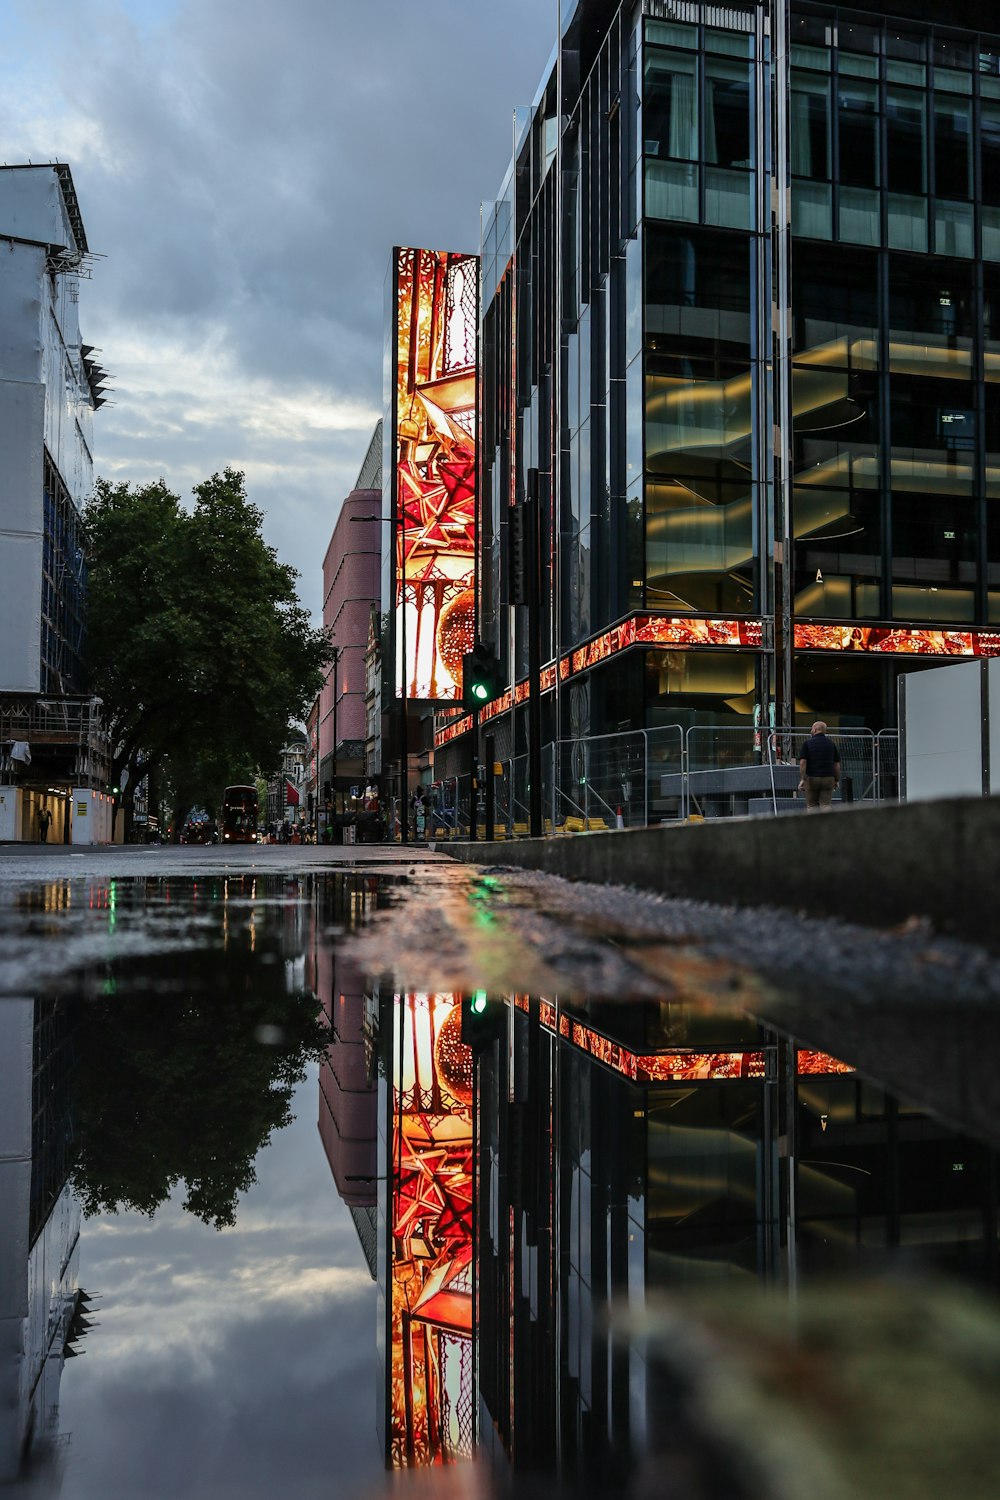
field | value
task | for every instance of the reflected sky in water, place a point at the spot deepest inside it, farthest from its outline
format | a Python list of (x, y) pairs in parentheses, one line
[(628, 1157), (237, 1362)]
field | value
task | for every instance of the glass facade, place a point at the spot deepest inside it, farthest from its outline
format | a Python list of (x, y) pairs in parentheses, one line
[(633, 1158), (742, 314)]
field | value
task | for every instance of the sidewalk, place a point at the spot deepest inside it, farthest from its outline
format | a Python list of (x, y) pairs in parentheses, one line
[(875, 865)]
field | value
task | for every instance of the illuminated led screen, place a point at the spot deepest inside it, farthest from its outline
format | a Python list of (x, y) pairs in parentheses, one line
[(430, 1235), (437, 314), (889, 641)]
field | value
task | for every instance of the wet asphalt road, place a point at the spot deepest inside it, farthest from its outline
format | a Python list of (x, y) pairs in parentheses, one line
[(916, 1011), (28, 862)]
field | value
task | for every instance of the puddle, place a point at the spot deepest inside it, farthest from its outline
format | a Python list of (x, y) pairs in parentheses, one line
[(656, 1247)]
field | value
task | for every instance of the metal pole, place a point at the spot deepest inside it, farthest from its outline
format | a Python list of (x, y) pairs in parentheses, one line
[(404, 763), (473, 778), (489, 751), (532, 528)]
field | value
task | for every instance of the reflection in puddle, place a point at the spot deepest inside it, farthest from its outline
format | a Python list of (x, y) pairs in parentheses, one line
[(568, 1209), (624, 1155)]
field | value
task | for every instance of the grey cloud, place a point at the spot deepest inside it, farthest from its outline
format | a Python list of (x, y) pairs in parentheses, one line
[(284, 1405), (246, 168), (194, 1387)]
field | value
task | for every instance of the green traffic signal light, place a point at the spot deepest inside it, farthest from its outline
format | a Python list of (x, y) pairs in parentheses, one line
[(481, 677), (484, 1020)]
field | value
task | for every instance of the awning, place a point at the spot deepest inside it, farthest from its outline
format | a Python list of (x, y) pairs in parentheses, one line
[(291, 795)]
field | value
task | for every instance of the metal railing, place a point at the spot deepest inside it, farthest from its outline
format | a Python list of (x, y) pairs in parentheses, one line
[(648, 776)]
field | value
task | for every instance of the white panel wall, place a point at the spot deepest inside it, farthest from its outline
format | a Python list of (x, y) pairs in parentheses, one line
[(21, 458), (22, 270), (942, 732), (44, 402), (20, 613), (31, 206)]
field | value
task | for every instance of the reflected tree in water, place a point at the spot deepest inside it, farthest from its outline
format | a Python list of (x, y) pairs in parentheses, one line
[(185, 1076)]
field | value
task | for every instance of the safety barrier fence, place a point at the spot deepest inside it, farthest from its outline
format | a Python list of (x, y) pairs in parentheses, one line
[(644, 777)]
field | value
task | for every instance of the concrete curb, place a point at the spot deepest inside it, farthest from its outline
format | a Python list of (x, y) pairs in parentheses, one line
[(875, 865)]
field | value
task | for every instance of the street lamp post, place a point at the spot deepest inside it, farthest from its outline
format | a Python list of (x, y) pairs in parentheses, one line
[(336, 695)]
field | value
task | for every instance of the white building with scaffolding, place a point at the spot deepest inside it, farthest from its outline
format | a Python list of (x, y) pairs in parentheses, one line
[(50, 386)]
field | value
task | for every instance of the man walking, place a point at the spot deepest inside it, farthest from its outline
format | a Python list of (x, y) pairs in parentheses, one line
[(819, 769), (44, 819)]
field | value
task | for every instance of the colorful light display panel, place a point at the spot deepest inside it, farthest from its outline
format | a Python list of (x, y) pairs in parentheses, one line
[(889, 641), (430, 1235), (437, 316)]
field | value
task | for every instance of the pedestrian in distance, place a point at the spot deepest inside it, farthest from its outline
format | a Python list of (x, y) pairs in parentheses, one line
[(44, 819), (819, 769)]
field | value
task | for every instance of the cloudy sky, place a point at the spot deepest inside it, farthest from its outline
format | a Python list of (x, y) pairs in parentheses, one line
[(245, 167), (233, 1364)]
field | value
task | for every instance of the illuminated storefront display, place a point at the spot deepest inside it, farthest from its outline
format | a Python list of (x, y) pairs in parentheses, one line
[(808, 1061), (435, 469), (889, 641), (679, 633), (429, 1276), (672, 1066)]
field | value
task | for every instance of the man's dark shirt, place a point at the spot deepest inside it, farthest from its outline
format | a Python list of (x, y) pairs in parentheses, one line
[(820, 755)]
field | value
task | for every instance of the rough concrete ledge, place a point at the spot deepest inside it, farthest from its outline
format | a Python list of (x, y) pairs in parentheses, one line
[(877, 865)]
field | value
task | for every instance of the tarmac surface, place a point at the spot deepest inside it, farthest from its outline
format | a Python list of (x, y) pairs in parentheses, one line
[(916, 1010)]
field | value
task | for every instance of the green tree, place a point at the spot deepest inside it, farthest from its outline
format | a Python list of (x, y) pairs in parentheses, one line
[(196, 639)]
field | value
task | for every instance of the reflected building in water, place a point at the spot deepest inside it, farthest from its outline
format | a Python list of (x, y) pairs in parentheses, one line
[(348, 1092), (425, 1332), (40, 1299), (547, 1172), (629, 1152)]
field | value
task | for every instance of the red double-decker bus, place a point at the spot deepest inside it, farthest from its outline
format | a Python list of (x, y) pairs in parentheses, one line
[(239, 815)]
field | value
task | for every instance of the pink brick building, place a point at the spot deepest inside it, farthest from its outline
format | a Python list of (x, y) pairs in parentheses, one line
[(351, 584)]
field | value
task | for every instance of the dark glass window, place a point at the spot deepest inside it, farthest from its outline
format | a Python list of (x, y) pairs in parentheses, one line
[(699, 543), (727, 113), (833, 293), (936, 415), (933, 566), (809, 126), (910, 47), (991, 301), (952, 147), (838, 559), (930, 296), (951, 54), (905, 145), (856, 38), (698, 687), (858, 133), (670, 105), (845, 689), (700, 269), (990, 148)]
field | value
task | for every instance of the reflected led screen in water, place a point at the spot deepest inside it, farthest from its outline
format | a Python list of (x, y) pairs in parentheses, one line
[(430, 1234), (437, 302)]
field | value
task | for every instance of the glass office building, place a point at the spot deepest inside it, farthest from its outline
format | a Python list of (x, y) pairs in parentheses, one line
[(741, 311)]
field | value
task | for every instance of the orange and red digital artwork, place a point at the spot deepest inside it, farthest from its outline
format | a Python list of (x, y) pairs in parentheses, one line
[(430, 1275), (437, 299)]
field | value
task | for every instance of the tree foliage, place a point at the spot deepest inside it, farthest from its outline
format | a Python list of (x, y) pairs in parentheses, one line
[(196, 640), (184, 1075)]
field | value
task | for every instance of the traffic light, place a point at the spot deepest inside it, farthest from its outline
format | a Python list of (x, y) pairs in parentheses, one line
[(484, 1019), (481, 678)]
